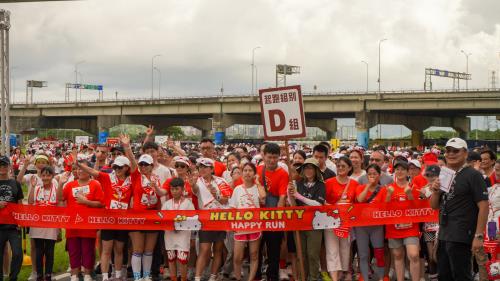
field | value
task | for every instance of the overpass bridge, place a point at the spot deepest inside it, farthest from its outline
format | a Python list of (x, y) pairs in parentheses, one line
[(417, 110)]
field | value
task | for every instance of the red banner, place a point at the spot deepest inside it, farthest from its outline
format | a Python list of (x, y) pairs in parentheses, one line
[(268, 219)]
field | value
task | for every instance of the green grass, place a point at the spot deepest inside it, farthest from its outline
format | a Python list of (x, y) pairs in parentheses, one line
[(61, 260)]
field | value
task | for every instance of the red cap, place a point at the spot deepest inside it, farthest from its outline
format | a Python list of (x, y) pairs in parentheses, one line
[(429, 158)]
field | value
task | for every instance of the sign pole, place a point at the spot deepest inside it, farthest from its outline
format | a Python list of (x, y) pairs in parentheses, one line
[(296, 234)]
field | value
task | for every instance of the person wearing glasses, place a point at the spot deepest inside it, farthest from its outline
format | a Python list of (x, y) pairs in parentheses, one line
[(463, 214), (207, 148), (377, 157), (117, 189)]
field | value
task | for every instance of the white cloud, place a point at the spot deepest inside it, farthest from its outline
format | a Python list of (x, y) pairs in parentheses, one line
[(205, 43)]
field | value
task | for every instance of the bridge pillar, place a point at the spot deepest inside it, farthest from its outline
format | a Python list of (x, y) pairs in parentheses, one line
[(329, 126), (219, 128), (362, 128), (417, 137), (104, 122), (205, 133)]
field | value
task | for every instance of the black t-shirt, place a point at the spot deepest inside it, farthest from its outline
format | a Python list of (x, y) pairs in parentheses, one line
[(315, 192), (459, 223), (328, 174), (10, 191)]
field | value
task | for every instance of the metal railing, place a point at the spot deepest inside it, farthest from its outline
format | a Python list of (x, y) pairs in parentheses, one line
[(326, 93)]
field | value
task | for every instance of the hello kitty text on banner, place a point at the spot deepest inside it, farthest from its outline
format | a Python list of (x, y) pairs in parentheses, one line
[(272, 219)]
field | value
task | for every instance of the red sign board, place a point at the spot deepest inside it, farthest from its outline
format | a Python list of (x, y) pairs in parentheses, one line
[(112, 141), (282, 113)]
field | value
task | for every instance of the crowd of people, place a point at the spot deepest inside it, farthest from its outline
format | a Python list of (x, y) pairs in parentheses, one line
[(148, 176)]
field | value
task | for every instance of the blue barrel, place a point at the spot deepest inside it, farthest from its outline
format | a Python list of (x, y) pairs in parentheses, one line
[(363, 137), (219, 137), (13, 140), (103, 136)]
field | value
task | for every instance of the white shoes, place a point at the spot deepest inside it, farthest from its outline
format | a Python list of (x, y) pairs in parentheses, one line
[(147, 279), (87, 278), (33, 276), (284, 274)]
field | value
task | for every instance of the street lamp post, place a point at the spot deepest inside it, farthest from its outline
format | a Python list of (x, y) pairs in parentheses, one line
[(379, 43), (466, 67), (76, 78), (366, 74), (81, 82), (159, 81), (152, 73), (253, 66)]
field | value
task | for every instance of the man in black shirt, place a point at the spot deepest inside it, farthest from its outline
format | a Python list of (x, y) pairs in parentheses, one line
[(320, 153), (10, 192), (463, 215)]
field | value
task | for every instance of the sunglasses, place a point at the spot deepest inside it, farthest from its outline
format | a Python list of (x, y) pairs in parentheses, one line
[(116, 167), (430, 175), (142, 164), (180, 166)]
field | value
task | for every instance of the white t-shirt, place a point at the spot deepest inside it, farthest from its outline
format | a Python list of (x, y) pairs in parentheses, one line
[(206, 200), (245, 198), (162, 172), (178, 239)]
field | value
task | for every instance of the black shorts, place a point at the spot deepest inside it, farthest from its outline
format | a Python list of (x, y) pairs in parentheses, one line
[(145, 231), (211, 236), (118, 235)]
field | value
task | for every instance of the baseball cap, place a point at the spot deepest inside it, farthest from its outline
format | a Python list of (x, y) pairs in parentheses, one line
[(432, 171), (121, 161), (145, 158), (41, 157), (182, 159), (402, 164), (4, 160), (429, 158), (415, 163), (205, 162), (457, 143)]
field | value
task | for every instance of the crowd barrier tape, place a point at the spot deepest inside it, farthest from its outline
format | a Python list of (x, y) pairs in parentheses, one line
[(262, 219)]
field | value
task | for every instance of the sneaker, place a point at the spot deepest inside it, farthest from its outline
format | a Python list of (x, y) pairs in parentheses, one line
[(213, 277), (283, 274), (407, 274), (325, 276), (87, 278), (147, 278), (74, 278), (33, 276)]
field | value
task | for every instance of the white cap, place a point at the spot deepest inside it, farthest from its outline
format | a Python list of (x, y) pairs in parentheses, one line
[(457, 143), (338, 155), (205, 162), (415, 163), (121, 161), (146, 158), (182, 159)]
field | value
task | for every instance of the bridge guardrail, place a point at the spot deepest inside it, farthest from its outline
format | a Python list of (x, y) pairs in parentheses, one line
[(326, 93)]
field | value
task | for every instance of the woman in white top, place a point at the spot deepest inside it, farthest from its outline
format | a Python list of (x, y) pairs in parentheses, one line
[(356, 157), (247, 196), (44, 194)]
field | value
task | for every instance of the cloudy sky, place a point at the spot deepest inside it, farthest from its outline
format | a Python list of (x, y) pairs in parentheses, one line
[(204, 43)]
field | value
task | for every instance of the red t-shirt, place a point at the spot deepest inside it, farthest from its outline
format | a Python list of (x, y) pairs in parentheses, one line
[(219, 168), (334, 190), (117, 193), (402, 230), (493, 179), (377, 199), (188, 192), (93, 192), (276, 181), (144, 195), (418, 182)]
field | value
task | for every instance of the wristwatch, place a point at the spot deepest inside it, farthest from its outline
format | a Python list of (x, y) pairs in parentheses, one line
[(479, 236)]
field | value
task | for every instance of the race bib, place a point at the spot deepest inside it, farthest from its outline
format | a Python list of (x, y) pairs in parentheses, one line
[(147, 199), (81, 190), (431, 227), (117, 205)]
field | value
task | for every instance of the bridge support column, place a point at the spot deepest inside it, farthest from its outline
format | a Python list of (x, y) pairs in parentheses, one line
[(205, 133), (362, 128), (462, 126), (219, 128), (327, 125), (105, 122), (417, 137)]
